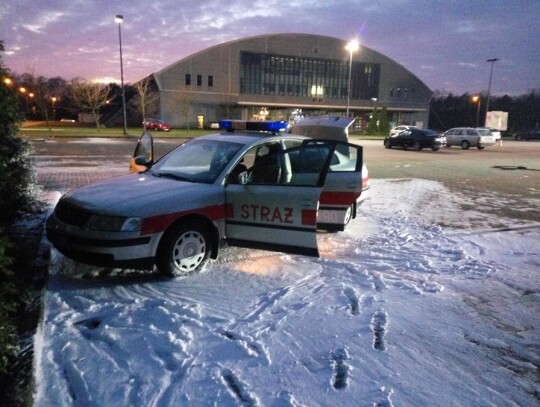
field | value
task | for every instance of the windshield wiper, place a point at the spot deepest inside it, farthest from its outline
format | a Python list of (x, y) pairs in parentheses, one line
[(171, 175)]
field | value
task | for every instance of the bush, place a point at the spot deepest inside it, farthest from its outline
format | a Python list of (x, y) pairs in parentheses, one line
[(8, 305), (18, 194)]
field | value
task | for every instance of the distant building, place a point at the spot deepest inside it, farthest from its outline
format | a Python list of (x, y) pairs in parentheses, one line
[(284, 77)]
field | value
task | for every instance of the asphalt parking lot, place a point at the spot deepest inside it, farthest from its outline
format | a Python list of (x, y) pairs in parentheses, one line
[(510, 171)]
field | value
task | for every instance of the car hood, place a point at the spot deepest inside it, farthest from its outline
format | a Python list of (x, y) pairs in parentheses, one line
[(140, 195)]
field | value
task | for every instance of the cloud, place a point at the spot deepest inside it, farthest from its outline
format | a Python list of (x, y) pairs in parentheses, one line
[(42, 21)]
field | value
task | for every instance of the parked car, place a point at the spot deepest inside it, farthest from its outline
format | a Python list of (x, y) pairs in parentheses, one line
[(417, 139), (495, 132), (156, 124), (248, 188), (469, 137), (533, 134), (398, 129)]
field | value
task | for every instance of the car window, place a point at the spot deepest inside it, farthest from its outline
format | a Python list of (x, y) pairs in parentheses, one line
[(484, 132), (197, 160), (471, 132), (344, 160)]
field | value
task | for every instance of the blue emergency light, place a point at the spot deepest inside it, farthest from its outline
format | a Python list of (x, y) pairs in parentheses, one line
[(253, 125)]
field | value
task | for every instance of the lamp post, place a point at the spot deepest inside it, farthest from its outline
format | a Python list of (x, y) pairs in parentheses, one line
[(476, 99), (352, 46), (492, 61), (119, 19), (53, 101)]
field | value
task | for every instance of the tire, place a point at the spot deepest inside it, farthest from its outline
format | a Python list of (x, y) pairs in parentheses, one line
[(387, 144), (183, 250), (348, 216), (518, 137), (480, 147), (416, 146), (465, 145), (434, 148)]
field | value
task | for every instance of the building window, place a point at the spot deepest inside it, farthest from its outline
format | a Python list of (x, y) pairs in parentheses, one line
[(210, 81), (299, 76), (188, 79), (199, 80)]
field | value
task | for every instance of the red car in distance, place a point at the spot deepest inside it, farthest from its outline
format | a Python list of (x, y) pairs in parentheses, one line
[(156, 124)]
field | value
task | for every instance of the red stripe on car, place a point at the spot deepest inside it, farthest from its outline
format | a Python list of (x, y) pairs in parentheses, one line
[(159, 223), (309, 217), (338, 198)]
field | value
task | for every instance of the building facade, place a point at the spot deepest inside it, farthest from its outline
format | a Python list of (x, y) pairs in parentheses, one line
[(285, 77)]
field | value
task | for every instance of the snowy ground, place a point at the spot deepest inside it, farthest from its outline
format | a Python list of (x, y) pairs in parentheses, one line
[(398, 311)]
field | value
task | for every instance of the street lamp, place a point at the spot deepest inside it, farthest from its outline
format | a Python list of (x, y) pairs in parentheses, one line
[(119, 19), (53, 101), (352, 46), (492, 61), (476, 99)]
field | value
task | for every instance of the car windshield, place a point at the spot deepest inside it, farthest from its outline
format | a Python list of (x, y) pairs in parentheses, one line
[(484, 132), (197, 161)]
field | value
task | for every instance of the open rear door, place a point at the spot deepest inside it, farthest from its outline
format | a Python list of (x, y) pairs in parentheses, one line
[(275, 205)]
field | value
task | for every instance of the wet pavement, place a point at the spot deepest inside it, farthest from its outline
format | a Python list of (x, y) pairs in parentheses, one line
[(64, 164)]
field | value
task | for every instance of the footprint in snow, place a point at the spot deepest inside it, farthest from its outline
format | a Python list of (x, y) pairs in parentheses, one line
[(379, 325), (341, 368)]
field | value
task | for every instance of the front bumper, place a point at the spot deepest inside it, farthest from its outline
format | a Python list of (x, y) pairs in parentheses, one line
[(106, 251)]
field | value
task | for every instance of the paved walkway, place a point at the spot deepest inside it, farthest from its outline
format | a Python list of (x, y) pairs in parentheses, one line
[(65, 179)]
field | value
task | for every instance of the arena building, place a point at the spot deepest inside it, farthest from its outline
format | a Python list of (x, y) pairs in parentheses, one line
[(285, 77)]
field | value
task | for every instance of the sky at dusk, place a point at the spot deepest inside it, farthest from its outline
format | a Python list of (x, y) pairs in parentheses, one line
[(444, 43)]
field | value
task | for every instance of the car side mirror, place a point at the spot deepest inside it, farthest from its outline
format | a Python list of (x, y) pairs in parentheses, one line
[(142, 160)]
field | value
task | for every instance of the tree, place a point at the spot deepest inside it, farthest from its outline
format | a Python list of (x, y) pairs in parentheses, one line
[(146, 95), (90, 97), (17, 193), (374, 121), (384, 126)]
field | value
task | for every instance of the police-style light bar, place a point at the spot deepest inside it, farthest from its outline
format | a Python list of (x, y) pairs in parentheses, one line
[(253, 125)]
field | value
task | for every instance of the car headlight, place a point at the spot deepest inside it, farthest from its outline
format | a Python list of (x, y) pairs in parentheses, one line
[(115, 223)]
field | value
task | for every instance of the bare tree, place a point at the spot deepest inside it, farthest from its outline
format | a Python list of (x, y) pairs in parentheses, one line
[(185, 105), (147, 95), (42, 93), (90, 96)]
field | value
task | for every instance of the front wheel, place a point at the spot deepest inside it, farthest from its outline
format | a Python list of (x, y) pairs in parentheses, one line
[(434, 148), (387, 143), (416, 146), (184, 250)]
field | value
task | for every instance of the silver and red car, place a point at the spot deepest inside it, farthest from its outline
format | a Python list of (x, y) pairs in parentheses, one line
[(250, 186)]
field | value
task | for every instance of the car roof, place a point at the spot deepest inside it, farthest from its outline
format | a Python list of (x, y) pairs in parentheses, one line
[(247, 137)]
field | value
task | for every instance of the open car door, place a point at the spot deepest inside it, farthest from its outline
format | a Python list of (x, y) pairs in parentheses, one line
[(274, 205), (342, 188), (143, 156)]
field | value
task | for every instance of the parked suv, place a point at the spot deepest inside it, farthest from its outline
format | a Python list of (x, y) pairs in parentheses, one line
[(469, 137)]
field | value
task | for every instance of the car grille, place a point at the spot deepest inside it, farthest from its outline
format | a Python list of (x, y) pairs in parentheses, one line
[(72, 214)]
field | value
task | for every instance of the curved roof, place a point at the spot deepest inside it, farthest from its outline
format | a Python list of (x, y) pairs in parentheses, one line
[(293, 41)]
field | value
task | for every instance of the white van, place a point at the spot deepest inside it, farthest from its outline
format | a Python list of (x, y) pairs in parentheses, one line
[(469, 137)]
